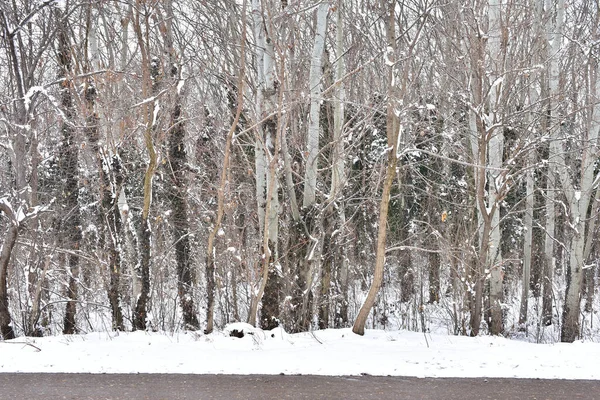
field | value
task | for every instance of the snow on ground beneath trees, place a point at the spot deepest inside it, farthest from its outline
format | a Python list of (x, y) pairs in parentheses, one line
[(326, 352)]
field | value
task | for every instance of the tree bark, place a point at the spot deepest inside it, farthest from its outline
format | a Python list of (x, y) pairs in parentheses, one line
[(179, 184), (527, 242), (495, 155), (69, 167), (6, 329), (309, 260), (393, 131), (150, 75), (266, 158)]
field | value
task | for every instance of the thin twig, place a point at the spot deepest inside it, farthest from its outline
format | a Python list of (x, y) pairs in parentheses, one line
[(25, 343)]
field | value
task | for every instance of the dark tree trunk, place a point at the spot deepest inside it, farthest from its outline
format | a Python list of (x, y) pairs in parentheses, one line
[(140, 312), (69, 169), (10, 239), (588, 287), (269, 312), (547, 292), (434, 277), (114, 225), (326, 269), (407, 279), (109, 217), (301, 300), (177, 196)]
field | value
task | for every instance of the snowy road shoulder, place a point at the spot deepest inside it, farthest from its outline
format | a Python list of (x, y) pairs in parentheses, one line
[(328, 352)]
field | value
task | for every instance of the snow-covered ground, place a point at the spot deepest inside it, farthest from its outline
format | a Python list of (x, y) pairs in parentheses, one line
[(328, 352)]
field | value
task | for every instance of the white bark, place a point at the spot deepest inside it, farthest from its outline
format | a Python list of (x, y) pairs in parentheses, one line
[(578, 194), (337, 172), (266, 151), (316, 73), (260, 158), (495, 154), (338, 177), (528, 240)]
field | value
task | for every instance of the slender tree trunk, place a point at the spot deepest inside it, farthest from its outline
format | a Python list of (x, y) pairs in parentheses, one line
[(33, 329), (393, 130), (495, 155), (551, 183), (210, 253), (150, 75), (316, 73), (338, 176), (336, 273), (326, 269), (527, 242)]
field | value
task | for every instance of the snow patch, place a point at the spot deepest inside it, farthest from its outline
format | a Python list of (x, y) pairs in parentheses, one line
[(323, 352)]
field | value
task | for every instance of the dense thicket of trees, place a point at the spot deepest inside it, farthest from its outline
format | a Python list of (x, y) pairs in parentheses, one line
[(408, 163)]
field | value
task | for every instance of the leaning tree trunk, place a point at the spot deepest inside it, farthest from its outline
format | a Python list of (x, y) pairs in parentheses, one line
[(393, 130)]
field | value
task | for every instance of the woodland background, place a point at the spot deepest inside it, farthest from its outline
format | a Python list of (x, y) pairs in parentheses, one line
[(416, 164)]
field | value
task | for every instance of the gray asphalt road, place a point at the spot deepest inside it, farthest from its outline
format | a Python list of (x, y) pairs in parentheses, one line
[(230, 387)]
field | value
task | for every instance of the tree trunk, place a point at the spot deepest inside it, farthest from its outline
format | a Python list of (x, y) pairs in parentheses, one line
[(210, 254), (338, 178), (111, 180), (578, 194), (69, 167), (150, 75), (434, 277), (266, 158), (6, 329), (311, 214), (179, 183), (495, 155), (527, 242), (393, 130)]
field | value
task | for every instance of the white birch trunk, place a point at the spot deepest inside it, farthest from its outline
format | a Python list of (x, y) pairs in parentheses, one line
[(260, 158), (337, 173), (495, 154), (549, 192), (528, 240), (316, 73), (266, 150), (534, 97), (338, 177), (578, 194)]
